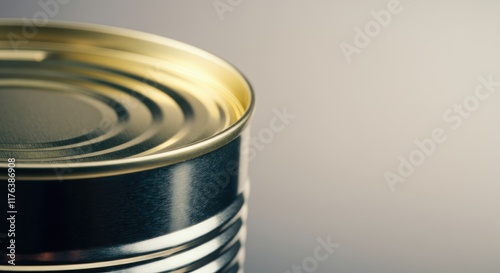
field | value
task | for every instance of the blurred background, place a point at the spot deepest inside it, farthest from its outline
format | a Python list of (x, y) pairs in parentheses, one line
[(385, 154)]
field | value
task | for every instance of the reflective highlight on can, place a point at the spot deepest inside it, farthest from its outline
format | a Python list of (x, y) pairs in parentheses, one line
[(130, 152)]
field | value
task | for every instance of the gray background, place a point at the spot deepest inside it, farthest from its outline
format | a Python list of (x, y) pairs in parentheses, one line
[(323, 175)]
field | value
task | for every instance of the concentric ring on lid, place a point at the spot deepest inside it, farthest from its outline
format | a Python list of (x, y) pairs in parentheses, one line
[(102, 102)]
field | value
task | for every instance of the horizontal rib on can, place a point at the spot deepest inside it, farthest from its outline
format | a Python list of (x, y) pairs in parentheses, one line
[(129, 149)]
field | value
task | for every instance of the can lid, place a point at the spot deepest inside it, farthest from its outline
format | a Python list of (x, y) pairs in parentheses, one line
[(91, 101)]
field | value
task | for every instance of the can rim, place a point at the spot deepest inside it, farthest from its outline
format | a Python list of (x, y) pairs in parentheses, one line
[(112, 167)]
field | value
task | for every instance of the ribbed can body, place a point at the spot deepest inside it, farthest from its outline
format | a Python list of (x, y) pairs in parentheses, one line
[(186, 217), (120, 151)]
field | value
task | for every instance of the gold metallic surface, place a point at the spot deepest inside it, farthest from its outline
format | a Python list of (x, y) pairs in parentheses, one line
[(177, 102)]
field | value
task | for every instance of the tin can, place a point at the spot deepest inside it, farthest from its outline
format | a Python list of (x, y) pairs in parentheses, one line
[(120, 151)]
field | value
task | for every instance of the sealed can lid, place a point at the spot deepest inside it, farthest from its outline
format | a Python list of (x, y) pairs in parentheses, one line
[(102, 101)]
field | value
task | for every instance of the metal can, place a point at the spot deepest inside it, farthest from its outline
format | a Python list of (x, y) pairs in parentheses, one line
[(120, 152)]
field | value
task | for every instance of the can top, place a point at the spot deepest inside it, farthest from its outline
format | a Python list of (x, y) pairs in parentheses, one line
[(95, 101)]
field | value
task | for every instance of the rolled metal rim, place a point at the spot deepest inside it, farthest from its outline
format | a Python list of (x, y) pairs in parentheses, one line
[(45, 171)]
